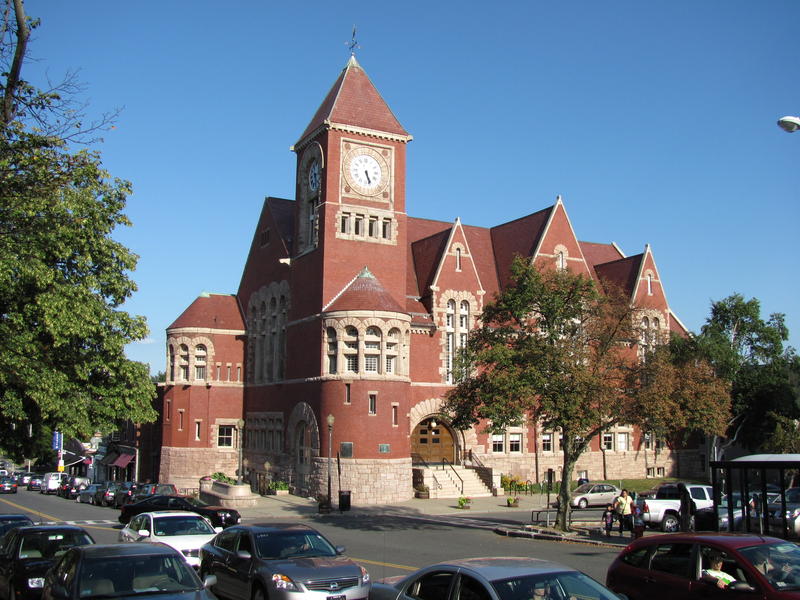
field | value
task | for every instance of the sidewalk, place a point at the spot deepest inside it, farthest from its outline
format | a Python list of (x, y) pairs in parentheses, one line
[(484, 512)]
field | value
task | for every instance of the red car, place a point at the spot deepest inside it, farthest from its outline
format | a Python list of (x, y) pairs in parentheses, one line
[(668, 567)]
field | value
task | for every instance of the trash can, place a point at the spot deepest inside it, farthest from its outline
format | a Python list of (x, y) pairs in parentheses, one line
[(344, 500)]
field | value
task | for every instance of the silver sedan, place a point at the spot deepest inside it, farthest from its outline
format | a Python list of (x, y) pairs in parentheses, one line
[(492, 579)]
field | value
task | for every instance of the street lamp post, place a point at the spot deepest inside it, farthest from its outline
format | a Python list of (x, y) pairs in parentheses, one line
[(330, 445), (789, 123), (240, 434)]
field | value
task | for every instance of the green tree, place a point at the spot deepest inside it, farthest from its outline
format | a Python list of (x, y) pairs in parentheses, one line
[(553, 350), (63, 278), (749, 353)]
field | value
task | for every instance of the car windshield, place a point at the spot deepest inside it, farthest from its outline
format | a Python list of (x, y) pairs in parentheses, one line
[(111, 576), (582, 489), (778, 562), (51, 544), (6, 525), (166, 526), (566, 584), (291, 544)]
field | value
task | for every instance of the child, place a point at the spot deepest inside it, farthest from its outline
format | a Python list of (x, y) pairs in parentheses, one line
[(608, 519)]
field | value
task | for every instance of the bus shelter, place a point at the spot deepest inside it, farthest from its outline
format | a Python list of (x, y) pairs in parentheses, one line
[(754, 488)]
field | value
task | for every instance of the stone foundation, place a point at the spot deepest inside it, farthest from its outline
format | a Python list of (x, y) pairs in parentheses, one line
[(185, 466)]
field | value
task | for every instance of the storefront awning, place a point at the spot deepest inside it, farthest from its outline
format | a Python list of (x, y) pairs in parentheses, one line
[(122, 461), (109, 458)]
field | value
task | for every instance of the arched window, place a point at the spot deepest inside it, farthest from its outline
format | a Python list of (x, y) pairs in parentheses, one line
[(392, 341), (351, 349), (644, 334), (561, 261), (649, 284), (171, 360), (184, 362), (450, 341), (200, 355), (280, 350), (372, 350), (458, 259), (332, 349)]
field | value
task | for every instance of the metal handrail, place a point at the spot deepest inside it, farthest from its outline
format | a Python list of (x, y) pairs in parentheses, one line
[(417, 458), (446, 462)]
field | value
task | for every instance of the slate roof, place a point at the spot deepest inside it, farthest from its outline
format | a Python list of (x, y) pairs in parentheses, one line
[(621, 273), (283, 213), (520, 236), (354, 100), (212, 311)]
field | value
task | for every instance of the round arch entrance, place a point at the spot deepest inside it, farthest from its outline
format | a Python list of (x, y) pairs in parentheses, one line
[(433, 442)]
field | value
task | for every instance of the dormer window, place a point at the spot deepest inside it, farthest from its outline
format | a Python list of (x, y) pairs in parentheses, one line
[(649, 284), (458, 259)]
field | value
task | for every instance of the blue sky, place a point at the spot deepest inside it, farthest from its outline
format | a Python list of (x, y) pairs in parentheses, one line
[(655, 121)]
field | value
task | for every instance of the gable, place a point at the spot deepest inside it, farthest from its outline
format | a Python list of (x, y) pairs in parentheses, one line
[(518, 237)]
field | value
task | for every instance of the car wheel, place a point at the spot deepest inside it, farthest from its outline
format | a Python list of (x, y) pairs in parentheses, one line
[(669, 524), (583, 503), (258, 593)]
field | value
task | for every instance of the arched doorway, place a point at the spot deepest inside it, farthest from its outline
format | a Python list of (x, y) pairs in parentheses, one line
[(303, 447), (433, 442)]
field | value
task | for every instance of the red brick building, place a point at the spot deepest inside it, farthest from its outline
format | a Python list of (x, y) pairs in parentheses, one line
[(350, 308)]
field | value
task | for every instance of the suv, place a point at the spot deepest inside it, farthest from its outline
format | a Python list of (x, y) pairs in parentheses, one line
[(149, 489), (125, 493)]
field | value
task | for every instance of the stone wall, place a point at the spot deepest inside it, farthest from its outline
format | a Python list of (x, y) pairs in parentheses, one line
[(370, 481), (185, 466)]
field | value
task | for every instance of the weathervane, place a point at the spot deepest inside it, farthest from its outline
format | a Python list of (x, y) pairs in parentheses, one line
[(352, 45)]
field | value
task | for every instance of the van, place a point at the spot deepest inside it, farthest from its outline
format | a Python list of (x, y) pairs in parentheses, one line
[(50, 483)]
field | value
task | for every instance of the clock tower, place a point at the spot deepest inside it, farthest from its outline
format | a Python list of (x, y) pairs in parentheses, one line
[(351, 190)]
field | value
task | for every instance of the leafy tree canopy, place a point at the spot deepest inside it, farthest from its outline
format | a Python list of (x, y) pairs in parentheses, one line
[(553, 350), (63, 278)]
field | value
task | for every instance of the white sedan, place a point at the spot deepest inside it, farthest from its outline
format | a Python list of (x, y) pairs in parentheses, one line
[(184, 531)]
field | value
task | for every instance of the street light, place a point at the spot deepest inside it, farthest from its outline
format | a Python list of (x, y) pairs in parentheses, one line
[(789, 123), (240, 430), (330, 444)]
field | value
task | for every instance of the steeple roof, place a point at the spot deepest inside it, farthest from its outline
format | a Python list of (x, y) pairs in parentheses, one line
[(364, 292), (353, 101)]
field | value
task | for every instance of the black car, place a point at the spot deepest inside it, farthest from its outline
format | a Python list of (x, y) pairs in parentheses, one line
[(124, 571), (218, 515), (28, 552), (104, 496), (282, 561), (8, 485), (124, 493), (12, 520), (154, 489), (72, 487)]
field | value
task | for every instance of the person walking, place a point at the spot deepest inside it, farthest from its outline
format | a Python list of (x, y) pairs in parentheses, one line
[(623, 506)]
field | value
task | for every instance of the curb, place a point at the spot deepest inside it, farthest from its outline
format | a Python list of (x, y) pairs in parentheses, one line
[(536, 534)]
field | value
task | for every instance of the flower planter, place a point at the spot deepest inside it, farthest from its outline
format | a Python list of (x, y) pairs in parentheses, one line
[(424, 495)]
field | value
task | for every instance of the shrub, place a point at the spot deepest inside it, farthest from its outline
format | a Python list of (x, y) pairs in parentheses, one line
[(218, 476)]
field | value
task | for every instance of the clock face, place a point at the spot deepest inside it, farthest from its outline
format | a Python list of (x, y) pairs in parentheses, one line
[(365, 171), (314, 176)]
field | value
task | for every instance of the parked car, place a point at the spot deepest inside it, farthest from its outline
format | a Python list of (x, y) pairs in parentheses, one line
[(124, 493), (662, 507), (666, 567), (593, 494), (152, 489), (493, 578), (219, 516), (50, 482), (123, 571), (704, 517), (35, 482), (25, 478), (104, 495), (281, 562), (8, 485), (184, 531), (69, 489), (12, 520), (28, 552), (87, 494), (792, 513)]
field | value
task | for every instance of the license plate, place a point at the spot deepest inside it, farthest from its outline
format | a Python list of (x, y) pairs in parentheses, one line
[(341, 597)]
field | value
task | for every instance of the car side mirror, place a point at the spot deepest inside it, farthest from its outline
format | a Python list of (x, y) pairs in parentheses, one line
[(209, 580), (143, 533), (340, 549), (244, 555), (218, 529)]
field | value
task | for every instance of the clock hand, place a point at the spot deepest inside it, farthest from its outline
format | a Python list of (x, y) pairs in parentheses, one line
[(369, 181)]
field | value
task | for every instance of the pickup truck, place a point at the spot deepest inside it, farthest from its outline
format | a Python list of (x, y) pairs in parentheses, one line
[(662, 507)]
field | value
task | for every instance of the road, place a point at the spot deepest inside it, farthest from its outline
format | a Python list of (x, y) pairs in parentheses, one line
[(386, 546)]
